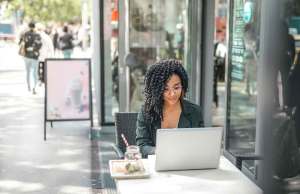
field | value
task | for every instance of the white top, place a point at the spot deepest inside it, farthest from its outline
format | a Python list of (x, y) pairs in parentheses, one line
[(47, 49), (227, 179), (221, 50)]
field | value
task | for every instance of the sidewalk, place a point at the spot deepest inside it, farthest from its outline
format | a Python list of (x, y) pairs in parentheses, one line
[(67, 163)]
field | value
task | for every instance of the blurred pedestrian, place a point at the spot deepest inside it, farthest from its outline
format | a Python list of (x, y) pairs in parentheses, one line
[(33, 43), (46, 51), (55, 41), (66, 43)]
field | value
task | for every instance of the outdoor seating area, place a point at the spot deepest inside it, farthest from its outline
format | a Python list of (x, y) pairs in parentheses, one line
[(149, 97)]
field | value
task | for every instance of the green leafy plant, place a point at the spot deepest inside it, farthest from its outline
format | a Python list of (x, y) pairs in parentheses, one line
[(46, 10)]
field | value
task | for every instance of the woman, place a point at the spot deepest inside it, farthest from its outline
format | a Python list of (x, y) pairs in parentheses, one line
[(166, 84)]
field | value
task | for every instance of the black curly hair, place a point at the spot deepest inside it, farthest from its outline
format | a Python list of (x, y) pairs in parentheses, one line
[(155, 81)]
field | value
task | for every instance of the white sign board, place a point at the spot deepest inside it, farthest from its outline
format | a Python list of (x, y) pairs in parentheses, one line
[(68, 95)]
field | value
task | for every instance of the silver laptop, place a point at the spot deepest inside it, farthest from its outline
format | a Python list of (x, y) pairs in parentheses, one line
[(188, 148)]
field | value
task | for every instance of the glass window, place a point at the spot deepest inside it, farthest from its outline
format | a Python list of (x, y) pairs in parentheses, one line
[(242, 92), (220, 53), (154, 34), (111, 83)]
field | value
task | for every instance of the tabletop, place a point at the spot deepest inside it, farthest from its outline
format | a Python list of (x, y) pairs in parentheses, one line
[(227, 179)]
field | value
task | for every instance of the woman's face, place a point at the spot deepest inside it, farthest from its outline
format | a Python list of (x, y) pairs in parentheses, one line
[(173, 90)]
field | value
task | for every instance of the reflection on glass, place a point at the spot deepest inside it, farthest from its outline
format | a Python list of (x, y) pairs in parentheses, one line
[(244, 42), (111, 74), (220, 52), (154, 33), (286, 79)]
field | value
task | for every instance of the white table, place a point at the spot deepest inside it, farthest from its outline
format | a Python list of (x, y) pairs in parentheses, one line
[(227, 179)]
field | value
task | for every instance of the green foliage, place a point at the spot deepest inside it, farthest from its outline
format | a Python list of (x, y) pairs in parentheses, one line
[(47, 10)]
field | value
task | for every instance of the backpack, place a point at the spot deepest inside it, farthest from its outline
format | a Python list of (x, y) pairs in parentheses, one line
[(33, 43), (66, 42), (286, 152)]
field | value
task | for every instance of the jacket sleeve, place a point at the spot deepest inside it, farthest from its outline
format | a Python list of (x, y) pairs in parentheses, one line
[(143, 136), (197, 116)]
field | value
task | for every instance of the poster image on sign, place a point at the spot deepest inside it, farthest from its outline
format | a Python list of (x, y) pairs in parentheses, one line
[(68, 89)]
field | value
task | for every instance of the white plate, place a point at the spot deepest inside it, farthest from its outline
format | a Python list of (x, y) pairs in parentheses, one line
[(118, 171)]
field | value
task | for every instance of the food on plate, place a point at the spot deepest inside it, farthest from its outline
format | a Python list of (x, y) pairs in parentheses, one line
[(128, 167), (132, 167)]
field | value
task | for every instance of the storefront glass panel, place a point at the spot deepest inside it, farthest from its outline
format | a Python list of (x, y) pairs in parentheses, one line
[(111, 62), (242, 78), (154, 34), (220, 52)]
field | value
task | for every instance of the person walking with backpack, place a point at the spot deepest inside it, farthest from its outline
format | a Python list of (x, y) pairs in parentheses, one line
[(66, 43), (32, 43)]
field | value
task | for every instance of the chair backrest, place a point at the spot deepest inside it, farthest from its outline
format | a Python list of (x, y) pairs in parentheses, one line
[(126, 124)]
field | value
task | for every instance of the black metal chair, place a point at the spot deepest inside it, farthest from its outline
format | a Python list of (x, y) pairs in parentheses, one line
[(125, 124)]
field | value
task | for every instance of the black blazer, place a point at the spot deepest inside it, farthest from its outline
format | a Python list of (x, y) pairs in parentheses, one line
[(191, 116)]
